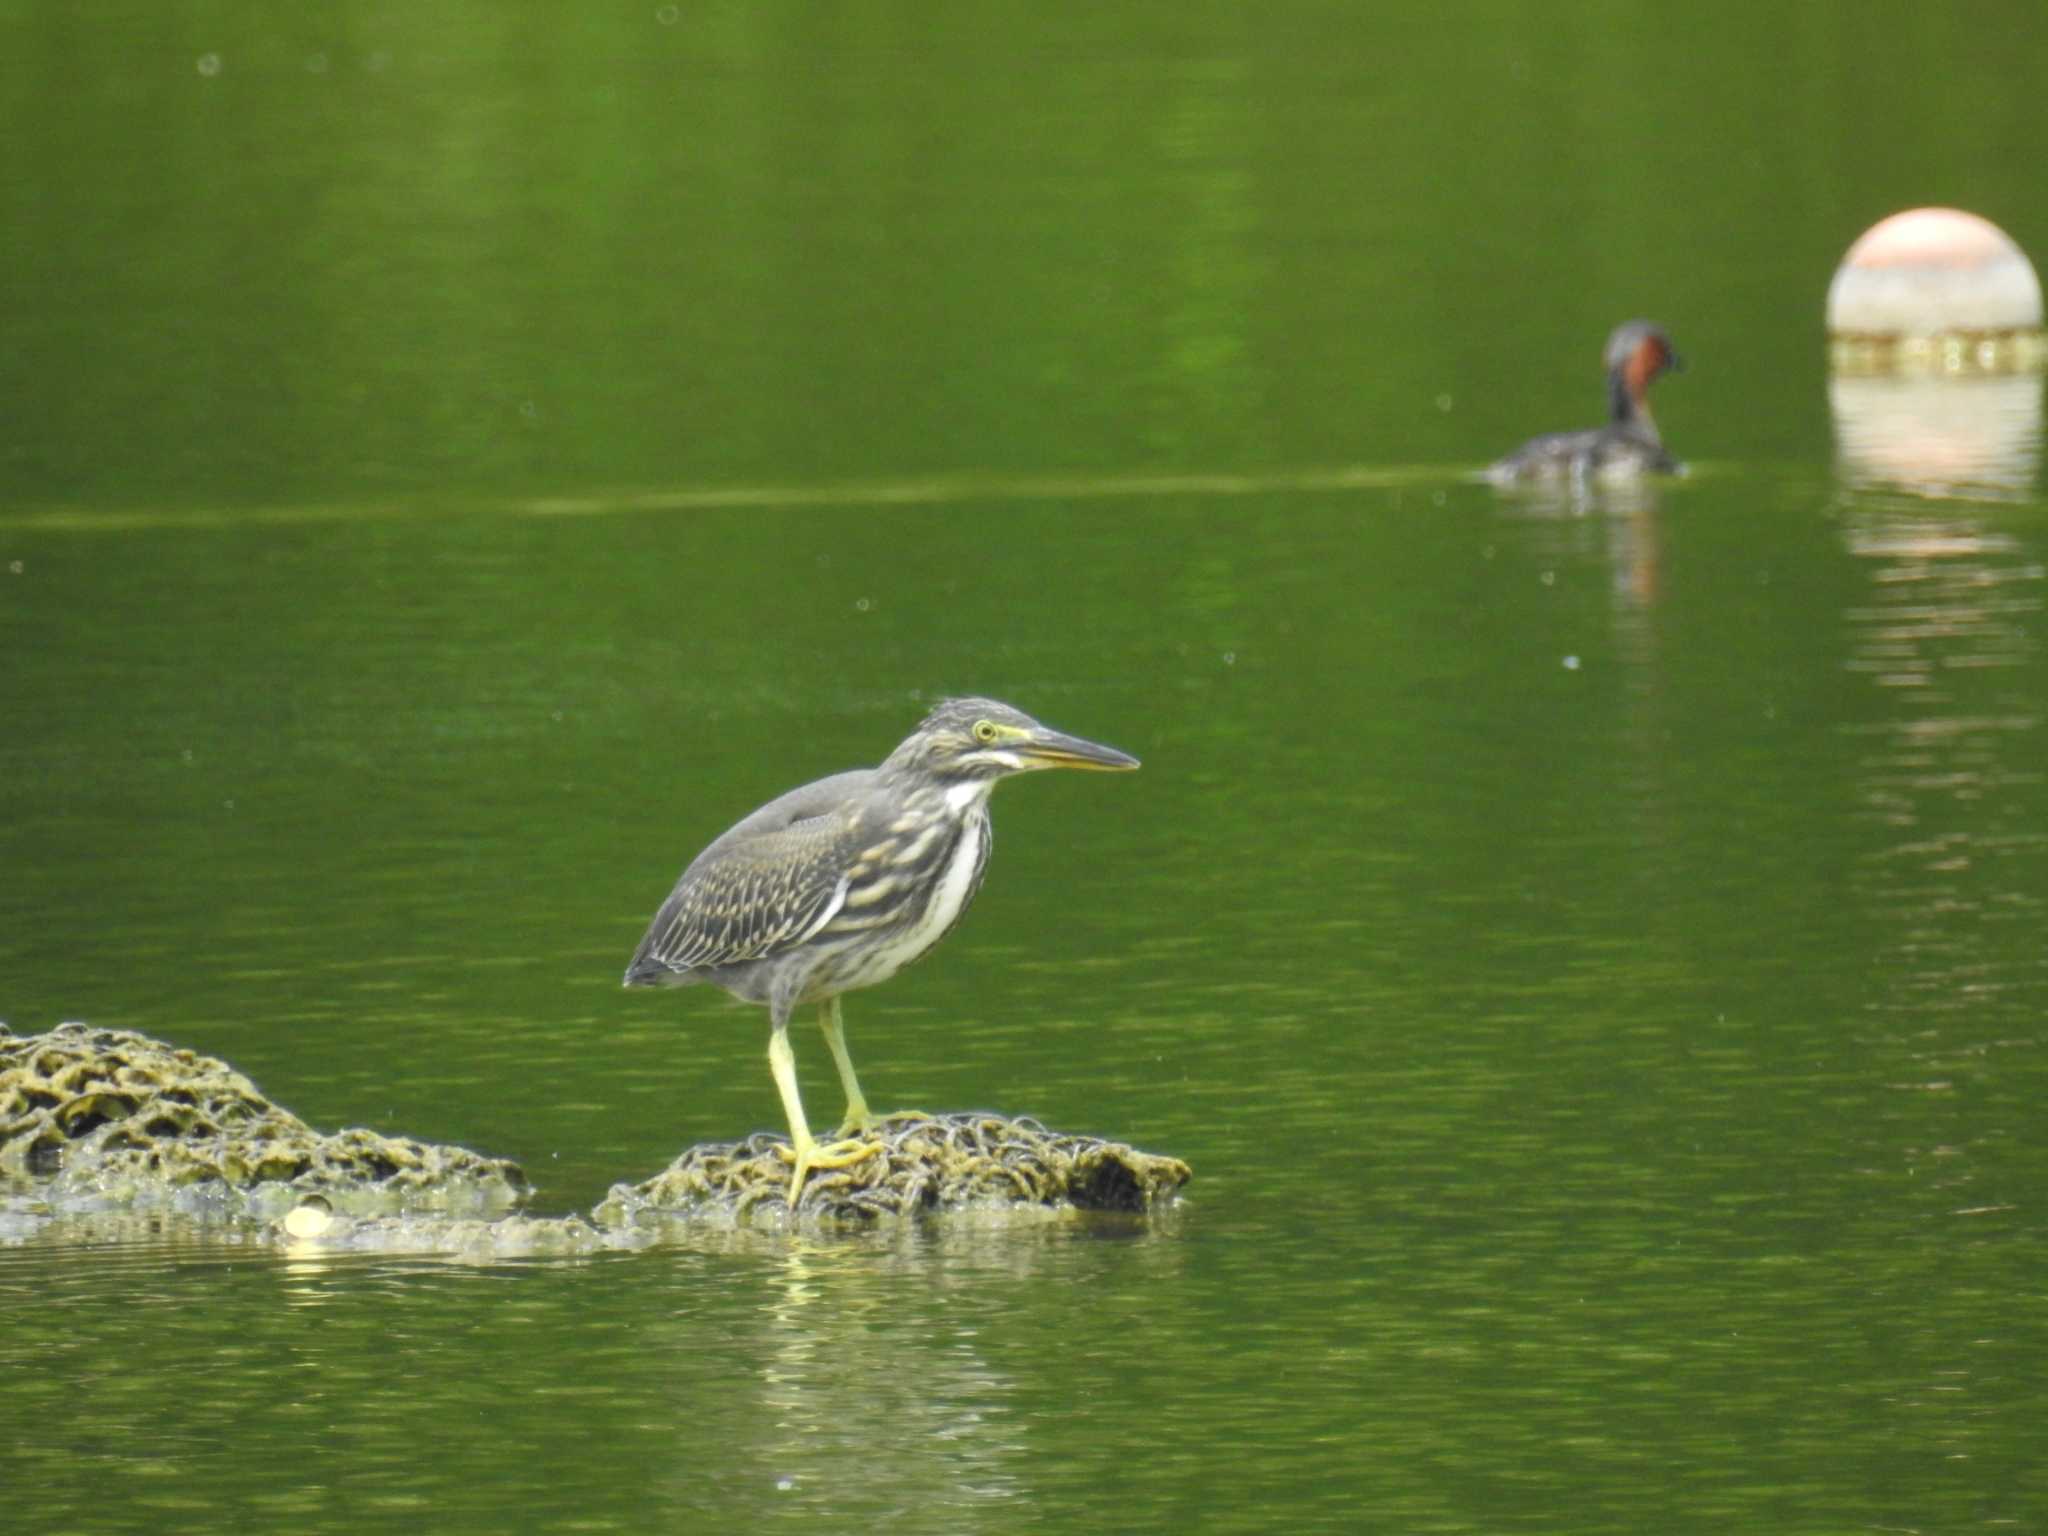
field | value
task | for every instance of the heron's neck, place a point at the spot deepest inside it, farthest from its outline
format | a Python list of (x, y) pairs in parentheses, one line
[(963, 797)]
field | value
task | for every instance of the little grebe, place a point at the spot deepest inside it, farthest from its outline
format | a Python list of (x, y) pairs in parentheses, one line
[(1628, 445)]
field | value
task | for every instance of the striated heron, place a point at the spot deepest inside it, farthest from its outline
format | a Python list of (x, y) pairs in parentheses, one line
[(842, 883)]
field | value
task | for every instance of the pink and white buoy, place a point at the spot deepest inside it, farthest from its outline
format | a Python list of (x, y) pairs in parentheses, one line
[(1935, 288), (1936, 347)]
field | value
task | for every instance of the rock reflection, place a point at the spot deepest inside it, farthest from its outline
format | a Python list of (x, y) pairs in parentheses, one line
[(864, 1388), (853, 1394)]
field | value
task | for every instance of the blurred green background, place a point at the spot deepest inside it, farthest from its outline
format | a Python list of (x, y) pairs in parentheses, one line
[(339, 254)]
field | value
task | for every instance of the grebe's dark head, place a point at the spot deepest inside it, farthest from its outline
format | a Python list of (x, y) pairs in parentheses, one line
[(1636, 353)]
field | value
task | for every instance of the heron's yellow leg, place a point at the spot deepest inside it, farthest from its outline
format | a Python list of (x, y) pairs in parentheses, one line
[(805, 1151), (858, 1116)]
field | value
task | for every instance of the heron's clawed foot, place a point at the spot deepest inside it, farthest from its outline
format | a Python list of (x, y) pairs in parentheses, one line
[(867, 1120), (809, 1155)]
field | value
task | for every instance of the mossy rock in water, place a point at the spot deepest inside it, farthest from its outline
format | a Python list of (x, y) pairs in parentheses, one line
[(924, 1164), (105, 1124), (117, 1116)]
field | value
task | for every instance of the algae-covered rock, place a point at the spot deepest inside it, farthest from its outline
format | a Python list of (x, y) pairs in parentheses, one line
[(112, 1117), (924, 1164), (106, 1131)]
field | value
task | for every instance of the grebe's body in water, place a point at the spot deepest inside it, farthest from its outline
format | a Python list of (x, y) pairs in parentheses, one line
[(1628, 445)]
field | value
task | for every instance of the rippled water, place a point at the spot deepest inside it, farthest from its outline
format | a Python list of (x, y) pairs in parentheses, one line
[(1592, 961), (1589, 948)]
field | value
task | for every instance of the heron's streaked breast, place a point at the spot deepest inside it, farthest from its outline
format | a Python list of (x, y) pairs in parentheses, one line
[(876, 889), (916, 853), (912, 913)]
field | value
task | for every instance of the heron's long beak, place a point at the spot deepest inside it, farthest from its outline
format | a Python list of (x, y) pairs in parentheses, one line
[(1056, 749)]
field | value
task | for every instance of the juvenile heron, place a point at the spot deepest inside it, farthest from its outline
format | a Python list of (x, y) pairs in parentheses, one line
[(842, 883)]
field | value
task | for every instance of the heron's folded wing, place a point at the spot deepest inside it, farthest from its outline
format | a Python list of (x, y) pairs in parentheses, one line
[(753, 895)]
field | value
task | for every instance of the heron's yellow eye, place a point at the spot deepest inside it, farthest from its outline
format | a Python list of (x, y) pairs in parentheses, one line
[(984, 731)]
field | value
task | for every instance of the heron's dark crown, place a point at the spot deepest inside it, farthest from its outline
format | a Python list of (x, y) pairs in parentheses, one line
[(955, 741)]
